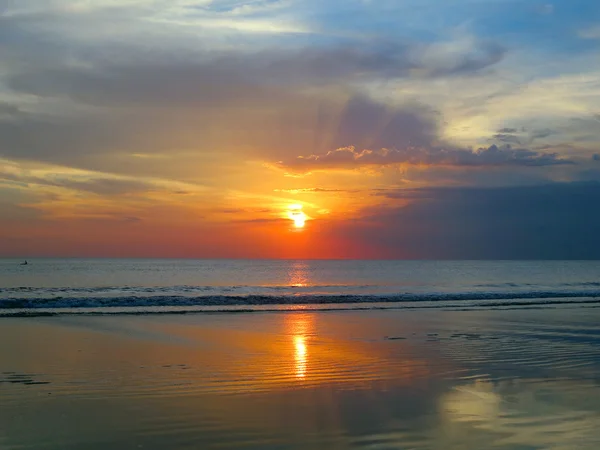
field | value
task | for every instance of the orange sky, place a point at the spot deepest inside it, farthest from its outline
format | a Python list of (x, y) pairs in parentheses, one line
[(206, 131)]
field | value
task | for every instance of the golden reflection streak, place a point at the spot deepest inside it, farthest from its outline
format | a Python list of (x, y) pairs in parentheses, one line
[(301, 356), (299, 326)]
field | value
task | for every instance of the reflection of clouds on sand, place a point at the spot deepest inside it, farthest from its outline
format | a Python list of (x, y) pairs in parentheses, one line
[(475, 403), (523, 414)]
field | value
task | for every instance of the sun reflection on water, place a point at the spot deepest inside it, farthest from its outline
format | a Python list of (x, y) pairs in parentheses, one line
[(298, 274), (300, 355), (299, 326)]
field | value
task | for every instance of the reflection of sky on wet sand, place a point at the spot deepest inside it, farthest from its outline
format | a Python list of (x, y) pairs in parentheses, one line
[(518, 415), (303, 380)]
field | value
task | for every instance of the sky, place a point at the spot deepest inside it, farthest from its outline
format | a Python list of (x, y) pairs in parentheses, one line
[(404, 129)]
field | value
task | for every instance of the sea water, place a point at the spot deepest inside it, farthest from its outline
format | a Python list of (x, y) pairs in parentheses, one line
[(172, 285)]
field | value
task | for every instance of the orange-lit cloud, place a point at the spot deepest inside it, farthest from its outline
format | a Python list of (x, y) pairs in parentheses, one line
[(349, 157)]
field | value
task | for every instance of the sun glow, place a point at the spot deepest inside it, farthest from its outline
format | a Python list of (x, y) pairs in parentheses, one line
[(299, 219), (296, 214)]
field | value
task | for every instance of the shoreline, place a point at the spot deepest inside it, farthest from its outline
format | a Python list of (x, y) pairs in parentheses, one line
[(528, 304)]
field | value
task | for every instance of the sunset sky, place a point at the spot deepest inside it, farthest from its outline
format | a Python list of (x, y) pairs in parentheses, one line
[(217, 128)]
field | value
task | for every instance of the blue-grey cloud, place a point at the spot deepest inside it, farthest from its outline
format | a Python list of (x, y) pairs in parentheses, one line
[(221, 76), (493, 156), (141, 98), (143, 95), (373, 134), (540, 134), (509, 138), (554, 221)]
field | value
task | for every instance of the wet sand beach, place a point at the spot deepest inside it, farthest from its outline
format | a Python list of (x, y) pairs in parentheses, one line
[(511, 379)]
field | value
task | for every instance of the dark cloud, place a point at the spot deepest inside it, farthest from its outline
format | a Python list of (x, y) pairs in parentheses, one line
[(543, 133), (129, 72), (369, 124), (516, 136), (10, 212), (373, 134), (217, 77), (508, 138), (493, 156), (556, 221), (584, 129), (144, 85), (60, 139), (10, 112)]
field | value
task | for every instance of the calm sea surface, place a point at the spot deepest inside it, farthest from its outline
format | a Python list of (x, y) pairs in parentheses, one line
[(80, 285)]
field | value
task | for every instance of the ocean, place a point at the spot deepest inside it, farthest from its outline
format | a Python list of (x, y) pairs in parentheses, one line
[(94, 286)]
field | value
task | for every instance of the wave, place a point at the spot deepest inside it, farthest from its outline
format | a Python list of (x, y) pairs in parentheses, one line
[(182, 289), (125, 301), (529, 285)]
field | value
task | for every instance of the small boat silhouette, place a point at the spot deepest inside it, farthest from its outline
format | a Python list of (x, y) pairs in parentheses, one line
[(24, 263)]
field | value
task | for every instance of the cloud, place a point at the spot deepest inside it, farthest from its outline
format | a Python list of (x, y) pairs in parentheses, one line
[(74, 180), (541, 134), (492, 156), (63, 140), (36, 175), (596, 157), (98, 97), (314, 190), (219, 76), (461, 56), (505, 137), (592, 32), (107, 186), (10, 112), (246, 210), (144, 54), (372, 134), (546, 9), (553, 221)]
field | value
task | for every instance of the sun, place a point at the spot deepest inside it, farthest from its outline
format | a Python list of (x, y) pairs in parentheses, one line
[(296, 214), (299, 218)]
